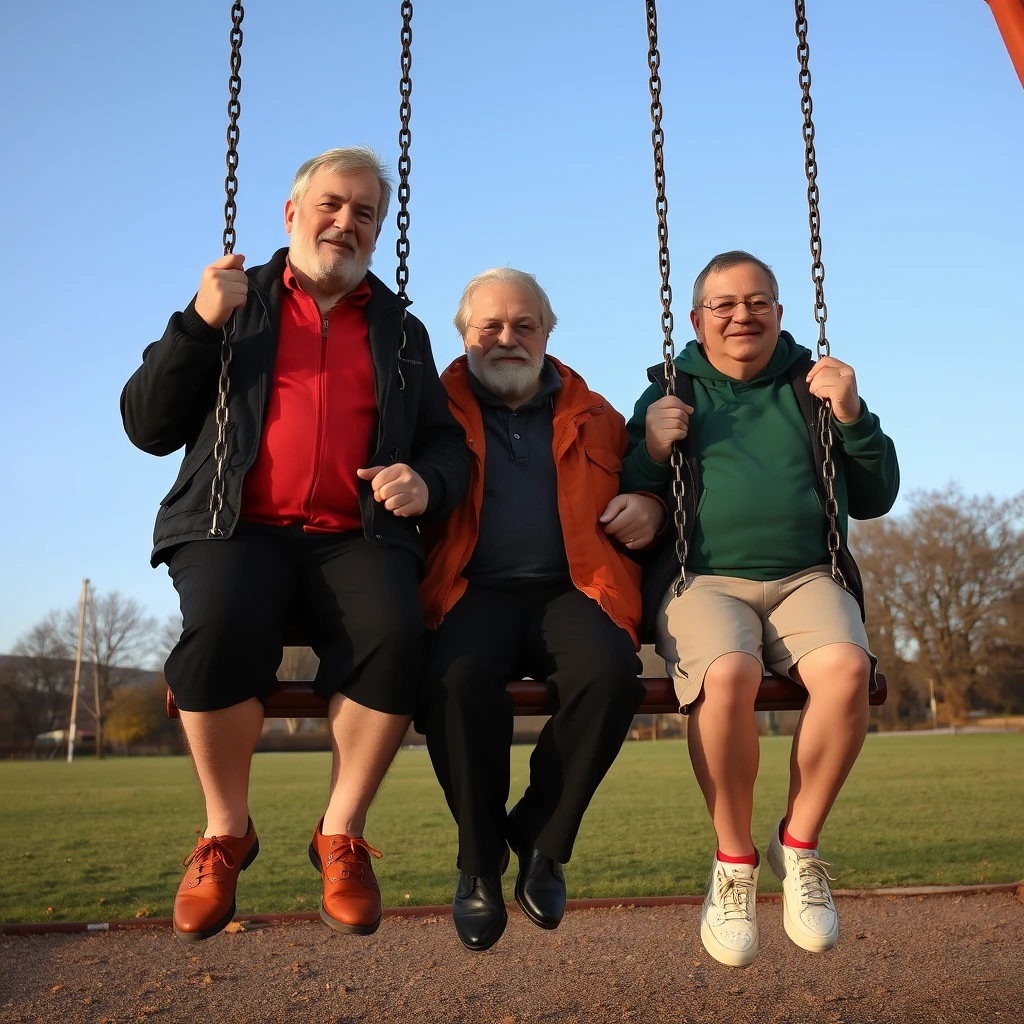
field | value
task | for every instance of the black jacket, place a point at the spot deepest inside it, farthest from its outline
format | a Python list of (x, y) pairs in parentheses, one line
[(661, 566), (170, 402)]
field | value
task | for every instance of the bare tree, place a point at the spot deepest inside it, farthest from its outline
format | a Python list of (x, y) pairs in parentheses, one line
[(940, 580), (879, 545), (1004, 683), (118, 637), (168, 637), (39, 678)]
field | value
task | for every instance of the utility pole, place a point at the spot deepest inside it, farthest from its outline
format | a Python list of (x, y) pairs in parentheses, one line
[(96, 680), (78, 671)]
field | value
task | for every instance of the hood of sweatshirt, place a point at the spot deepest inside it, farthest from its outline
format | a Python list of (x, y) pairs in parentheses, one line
[(787, 352)]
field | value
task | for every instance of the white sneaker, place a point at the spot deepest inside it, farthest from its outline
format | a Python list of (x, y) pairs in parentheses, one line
[(728, 922), (807, 909)]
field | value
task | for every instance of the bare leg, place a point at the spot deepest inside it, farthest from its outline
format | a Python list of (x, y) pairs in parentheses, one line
[(364, 743), (830, 733), (222, 743), (724, 748)]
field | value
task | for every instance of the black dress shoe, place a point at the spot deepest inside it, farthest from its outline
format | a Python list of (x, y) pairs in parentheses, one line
[(478, 910), (540, 888)]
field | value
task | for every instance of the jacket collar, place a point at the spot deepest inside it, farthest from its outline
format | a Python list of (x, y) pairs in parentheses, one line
[(268, 279), (571, 399)]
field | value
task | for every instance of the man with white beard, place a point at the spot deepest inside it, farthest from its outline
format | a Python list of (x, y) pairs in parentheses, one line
[(339, 444), (530, 575)]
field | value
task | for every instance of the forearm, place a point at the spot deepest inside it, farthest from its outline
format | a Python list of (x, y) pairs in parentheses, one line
[(870, 466), (164, 403)]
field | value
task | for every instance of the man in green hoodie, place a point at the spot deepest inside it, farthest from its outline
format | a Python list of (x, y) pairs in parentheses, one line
[(761, 590)]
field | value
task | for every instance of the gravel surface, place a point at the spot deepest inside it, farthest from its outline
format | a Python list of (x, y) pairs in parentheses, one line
[(909, 959)]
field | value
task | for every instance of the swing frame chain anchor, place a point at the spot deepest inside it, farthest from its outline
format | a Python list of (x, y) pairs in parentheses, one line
[(220, 447)]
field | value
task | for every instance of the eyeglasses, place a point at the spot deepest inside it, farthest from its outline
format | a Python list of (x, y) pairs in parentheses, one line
[(725, 308), (492, 328)]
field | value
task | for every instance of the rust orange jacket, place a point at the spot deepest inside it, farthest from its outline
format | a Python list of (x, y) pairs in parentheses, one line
[(588, 444)]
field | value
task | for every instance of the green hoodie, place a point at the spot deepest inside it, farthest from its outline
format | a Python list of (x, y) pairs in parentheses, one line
[(760, 516)]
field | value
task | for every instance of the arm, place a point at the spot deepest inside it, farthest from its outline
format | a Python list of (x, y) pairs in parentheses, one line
[(439, 452), (869, 465), (165, 402), (640, 472), (633, 520), (869, 457)]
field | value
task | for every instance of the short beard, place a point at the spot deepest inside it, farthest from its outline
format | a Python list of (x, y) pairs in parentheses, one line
[(335, 272), (505, 380)]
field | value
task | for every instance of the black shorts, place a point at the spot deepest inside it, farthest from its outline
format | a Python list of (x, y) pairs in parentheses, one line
[(354, 601)]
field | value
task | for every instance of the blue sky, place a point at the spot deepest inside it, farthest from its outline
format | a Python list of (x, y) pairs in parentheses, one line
[(531, 148)]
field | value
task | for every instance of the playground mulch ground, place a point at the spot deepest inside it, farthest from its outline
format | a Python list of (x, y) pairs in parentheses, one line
[(931, 959)]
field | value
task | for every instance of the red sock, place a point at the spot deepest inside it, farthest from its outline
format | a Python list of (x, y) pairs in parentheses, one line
[(796, 844), (750, 858)]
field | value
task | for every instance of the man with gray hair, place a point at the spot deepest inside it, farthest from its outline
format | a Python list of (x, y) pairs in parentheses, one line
[(339, 444), (761, 590), (530, 575)]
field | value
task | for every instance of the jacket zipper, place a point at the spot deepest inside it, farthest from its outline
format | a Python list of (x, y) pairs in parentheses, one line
[(320, 404)]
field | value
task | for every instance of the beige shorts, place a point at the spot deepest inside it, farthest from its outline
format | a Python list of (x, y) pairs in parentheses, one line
[(777, 622)]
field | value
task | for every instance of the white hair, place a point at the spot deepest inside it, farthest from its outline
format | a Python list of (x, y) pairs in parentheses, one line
[(505, 275)]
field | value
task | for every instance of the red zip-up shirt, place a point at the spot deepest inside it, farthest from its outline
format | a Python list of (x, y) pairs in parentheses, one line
[(321, 417)]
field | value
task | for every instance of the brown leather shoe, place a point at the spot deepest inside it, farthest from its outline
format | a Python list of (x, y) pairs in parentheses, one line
[(351, 900), (206, 897)]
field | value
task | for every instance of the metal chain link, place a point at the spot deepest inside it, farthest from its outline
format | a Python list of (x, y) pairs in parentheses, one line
[(404, 166), (803, 54), (667, 321), (220, 447)]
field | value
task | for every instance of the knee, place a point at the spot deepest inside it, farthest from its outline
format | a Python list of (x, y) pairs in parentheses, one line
[(841, 670), (606, 672), (731, 683), (463, 681)]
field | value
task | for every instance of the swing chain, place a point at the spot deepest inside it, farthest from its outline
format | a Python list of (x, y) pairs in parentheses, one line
[(828, 467), (220, 448), (404, 166), (667, 321)]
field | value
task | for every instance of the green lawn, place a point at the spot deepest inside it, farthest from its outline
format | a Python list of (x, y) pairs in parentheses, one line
[(104, 840)]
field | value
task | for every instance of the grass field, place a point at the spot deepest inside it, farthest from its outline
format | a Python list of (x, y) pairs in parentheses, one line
[(104, 840)]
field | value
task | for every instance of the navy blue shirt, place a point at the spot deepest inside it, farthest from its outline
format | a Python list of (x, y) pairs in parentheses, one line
[(520, 539)]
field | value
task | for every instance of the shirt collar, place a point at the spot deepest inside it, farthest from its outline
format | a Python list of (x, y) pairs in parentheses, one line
[(359, 295)]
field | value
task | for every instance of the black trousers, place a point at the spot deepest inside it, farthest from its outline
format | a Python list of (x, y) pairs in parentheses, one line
[(492, 636), (354, 601)]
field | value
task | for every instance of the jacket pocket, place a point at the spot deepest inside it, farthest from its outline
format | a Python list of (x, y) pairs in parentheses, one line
[(605, 458), (194, 477)]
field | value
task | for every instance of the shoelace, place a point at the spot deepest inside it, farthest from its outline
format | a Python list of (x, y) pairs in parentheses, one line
[(204, 857), (733, 896), (344, 852), (814, 879)]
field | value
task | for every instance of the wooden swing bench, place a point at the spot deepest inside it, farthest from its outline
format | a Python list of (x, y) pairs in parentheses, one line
[(294, 698)]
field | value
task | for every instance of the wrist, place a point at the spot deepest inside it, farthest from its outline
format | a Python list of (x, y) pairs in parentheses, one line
[(658, 454)]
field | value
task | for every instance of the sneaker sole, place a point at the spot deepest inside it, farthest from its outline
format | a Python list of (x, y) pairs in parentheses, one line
[(332, 922), (724, 955), (207, 933), (797, 935)]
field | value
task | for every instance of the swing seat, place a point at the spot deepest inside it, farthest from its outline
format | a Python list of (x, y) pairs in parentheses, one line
[(294, 698)]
